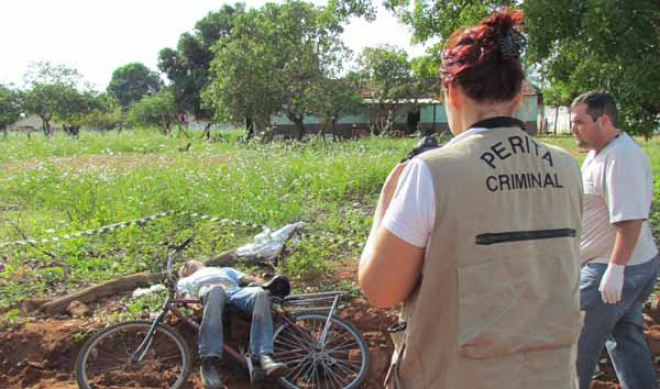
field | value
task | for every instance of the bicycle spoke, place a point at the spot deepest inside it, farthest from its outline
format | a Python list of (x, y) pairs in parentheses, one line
[(286, 342), (166, 358), (109, 360), (341, 343), (109, 369), (309, 367), (309, 371), (343, 366), (126, 348), (333, 378), (340, 364), (316, 377), (299, 368), (349, 345), (293, 359), (111, 354)]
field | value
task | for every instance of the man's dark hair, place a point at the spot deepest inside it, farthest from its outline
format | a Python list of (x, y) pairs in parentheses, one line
[(598, 103)]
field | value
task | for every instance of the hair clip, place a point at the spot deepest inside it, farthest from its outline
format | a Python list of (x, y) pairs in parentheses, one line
[(511, 43)]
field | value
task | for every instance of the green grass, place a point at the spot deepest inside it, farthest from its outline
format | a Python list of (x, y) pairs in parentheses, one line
[(51, 187), (58, 186)]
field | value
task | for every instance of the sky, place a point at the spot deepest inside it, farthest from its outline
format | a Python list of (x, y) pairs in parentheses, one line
[(97, 36)]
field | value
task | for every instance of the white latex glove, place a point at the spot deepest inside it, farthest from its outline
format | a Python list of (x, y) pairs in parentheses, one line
[(611, 284)]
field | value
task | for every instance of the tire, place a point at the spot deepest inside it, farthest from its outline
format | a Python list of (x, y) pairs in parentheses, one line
[(342, 364), (104, 360)]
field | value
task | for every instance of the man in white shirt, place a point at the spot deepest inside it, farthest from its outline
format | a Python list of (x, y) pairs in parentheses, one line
[(619, 256), (215, 286)]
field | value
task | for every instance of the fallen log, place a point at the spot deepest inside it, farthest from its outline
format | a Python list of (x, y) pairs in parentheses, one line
[(109, 288), (228, 258), (116, 287)]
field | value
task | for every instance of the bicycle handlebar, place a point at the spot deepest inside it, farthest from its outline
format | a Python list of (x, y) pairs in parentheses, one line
[(184, 244), (172, 251)]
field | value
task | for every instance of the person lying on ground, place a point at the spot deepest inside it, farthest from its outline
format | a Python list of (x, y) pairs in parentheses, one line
[(216, 286)]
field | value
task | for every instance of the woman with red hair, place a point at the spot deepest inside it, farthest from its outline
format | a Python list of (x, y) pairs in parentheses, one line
[(479, 238)]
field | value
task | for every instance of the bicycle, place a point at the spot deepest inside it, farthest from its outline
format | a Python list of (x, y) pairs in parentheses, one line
[(321, 350)]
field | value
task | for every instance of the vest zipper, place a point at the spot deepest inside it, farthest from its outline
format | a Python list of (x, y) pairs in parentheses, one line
[(518, 236)]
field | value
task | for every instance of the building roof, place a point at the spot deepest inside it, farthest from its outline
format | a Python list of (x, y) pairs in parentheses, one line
[(528, 90), (423, 101)]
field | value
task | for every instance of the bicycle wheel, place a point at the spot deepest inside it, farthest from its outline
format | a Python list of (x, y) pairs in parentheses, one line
[(105, 359), (340, 364)]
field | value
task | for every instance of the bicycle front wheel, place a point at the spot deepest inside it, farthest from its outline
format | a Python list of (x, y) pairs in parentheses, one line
[(340, 363), (106, 360)]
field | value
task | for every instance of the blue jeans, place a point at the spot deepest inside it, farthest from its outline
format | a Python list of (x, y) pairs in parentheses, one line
[(249, 300), (618, 326)]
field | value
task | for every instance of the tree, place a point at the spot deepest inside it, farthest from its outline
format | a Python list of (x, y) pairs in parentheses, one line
[(387, 74), (43, 100), (104, 114), (50, 89), (46, 72), (343, 10), (440, 18), (187, 67), (77, 108), (577, 46), (334, 98), (132, 82), (425, 66), (607, 44), (272, 62), (10, 107), (158, 110)]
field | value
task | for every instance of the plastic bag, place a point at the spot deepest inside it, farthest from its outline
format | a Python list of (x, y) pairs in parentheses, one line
[(267, 245), (139, 292)]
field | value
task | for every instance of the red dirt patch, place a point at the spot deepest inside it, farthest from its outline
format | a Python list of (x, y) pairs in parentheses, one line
[(38, 351), (41, 355), (118, 161)]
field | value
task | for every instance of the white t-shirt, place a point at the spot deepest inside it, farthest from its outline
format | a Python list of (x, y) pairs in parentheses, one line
[(618, 186), (411, 213), (198, 283)]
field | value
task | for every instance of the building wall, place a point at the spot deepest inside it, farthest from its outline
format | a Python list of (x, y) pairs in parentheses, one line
[(527, 112), (360, 118), (32, 121), (528, 109), (560, 115), (426, 114)]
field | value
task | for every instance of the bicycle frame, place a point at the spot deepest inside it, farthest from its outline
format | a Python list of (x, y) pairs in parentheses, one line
[(171, 304)]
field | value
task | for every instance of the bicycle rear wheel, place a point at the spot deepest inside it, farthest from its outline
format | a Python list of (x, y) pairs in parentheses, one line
[(105, 360), (340, 364)]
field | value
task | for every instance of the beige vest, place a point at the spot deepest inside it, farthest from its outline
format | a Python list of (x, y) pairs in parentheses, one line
[(497, 304)]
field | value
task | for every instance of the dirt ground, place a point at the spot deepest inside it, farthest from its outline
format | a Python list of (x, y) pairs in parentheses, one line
[(42, 354)]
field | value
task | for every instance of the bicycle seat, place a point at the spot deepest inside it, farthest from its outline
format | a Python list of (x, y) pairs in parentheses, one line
[(278, 286)]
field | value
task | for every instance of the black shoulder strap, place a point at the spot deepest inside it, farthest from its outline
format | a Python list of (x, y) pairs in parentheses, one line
[(500, 121)]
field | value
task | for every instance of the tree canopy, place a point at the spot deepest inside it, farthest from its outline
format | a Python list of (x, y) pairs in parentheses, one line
[(614, 45), (46, 72), (187, 67), (158, 109), (131, 82), (334, 98), (10, 107), (576, 46), (388, 74), (273, 61)]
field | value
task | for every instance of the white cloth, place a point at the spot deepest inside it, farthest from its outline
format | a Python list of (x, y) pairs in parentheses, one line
[(618, 186), (411, 213), (198, 283)]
